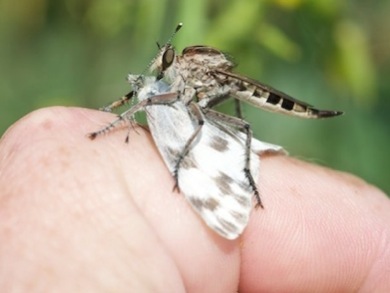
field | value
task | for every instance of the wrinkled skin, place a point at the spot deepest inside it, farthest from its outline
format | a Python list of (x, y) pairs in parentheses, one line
[(98, 216)]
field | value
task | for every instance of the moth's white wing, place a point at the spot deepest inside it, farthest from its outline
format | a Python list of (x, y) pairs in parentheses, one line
[(257, 146), (261, 147), (211, 175), (213, 179)]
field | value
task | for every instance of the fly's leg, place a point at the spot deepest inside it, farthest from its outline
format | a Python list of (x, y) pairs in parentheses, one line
[(118, 103), (163, 99), (238, 108), (196, 113), (244, 127)]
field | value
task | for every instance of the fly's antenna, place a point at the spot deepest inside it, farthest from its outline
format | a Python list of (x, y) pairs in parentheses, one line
[(178, 27), (168, 43)]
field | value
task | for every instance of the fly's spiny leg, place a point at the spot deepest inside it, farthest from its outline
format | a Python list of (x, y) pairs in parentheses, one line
[(213, 99), (245, 127), (120, 119), (118, 103), (196, 112), (163, 99), (131, 127), (238, 108)]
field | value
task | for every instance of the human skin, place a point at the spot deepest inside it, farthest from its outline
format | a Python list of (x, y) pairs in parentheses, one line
[(98, 216)]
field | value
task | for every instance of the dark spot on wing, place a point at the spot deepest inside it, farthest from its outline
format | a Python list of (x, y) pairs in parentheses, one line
[(227, 226), (239, 217), (210, 204), (219, 230), (242, 200), (219, 143), (188, 162), (173, 152), (197, 203), (225, 177), (223, 182)]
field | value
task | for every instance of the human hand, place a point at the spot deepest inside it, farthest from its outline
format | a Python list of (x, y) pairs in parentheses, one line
[(81, 215)]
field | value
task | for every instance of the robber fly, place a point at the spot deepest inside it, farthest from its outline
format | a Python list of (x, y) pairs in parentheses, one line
[(209, 72)]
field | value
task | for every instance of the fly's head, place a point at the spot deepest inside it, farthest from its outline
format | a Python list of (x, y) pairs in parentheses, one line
[(163, 61), (166, 57), (194, 66)]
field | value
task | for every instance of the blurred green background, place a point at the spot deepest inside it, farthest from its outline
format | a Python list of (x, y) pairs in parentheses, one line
[(330, 53)]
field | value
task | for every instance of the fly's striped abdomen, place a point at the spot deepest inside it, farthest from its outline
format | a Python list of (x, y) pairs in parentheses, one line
[(267, 98)]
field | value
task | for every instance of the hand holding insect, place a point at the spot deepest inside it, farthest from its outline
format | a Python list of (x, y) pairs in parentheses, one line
[(119, 225)]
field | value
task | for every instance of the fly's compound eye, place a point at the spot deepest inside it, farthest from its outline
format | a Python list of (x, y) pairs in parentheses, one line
[(167, 58)]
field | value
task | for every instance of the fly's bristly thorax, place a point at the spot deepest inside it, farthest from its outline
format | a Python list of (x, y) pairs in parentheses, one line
[(208, 57)]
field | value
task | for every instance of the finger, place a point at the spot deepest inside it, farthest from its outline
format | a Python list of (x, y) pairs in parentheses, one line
[(320, 231), (101, 213), (198, 252)]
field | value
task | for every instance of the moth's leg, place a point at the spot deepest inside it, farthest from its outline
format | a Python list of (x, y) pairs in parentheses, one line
[(244, 126), (196, 113), (118, 103), (163, 99)]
